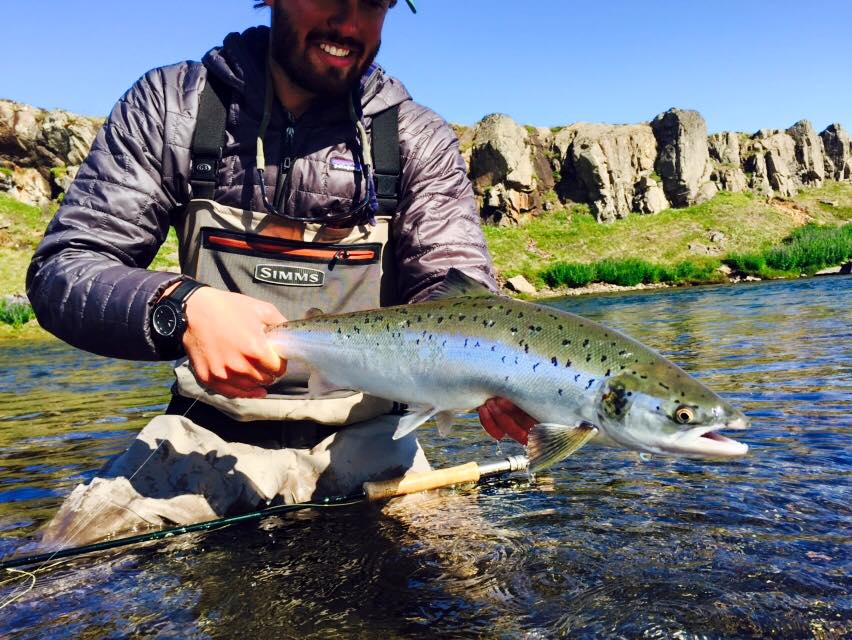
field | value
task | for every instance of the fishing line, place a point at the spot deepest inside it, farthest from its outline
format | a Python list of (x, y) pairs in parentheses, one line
[(47, 557), (13, 597)]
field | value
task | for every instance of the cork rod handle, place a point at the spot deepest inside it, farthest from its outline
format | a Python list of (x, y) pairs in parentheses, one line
[(422, 481)]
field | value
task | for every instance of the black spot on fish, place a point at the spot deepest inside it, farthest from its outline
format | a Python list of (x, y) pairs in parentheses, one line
[(475, 318), (366, 320), (465, 342), (462, 317), (608, 371), (644, 377), (387, 327), (566, 342), (567, 363), (440, 319), (577, 377), (508, 312), (591, 380), (514, 330), (535, 365), (419, 318), (503, 359), (516, 359), (492, 347), (532, 327), (586, 342), (622, 352), (588, 357), (339, 330), (485, 323), (663, 385), (560, 392), (417, 341), (336, 321), (477, 344), (554, 361), (560, 327), (444, 343), (526, 348), (603, 358), (520, 314), (506, 379), (612, 344)]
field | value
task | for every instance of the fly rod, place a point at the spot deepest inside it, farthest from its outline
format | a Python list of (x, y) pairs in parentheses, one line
[(371, 491)]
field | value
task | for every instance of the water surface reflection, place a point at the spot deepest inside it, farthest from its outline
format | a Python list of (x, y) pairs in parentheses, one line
[(604, 544)]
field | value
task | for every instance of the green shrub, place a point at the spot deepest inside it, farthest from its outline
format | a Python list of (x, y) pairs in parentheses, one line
[(627, 272), (748, 263), (811, 248), (573, 274), (15, 313)]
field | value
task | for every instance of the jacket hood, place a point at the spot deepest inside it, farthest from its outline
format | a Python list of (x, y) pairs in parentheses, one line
[(240, 63)]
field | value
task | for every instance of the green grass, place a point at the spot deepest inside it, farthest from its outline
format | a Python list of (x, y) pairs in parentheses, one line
[(15, 314), (751, 225), (631, 272), (806, 250)]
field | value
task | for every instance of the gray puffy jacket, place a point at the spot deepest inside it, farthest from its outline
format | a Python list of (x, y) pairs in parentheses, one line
[(88, 281)]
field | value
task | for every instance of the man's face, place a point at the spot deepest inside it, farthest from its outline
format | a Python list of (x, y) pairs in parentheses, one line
[(325, 46)]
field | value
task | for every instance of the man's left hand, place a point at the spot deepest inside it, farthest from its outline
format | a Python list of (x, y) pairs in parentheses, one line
[(500, 417)]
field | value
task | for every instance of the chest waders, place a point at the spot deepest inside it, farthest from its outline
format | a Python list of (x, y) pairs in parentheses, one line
[(298, 266)]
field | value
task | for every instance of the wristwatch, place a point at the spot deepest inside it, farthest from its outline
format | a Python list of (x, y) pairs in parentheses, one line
[(168, 318)]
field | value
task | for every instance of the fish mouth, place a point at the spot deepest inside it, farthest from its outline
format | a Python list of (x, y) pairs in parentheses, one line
[(707, 442)]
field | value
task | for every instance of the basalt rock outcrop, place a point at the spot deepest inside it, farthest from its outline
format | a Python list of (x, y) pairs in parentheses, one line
[(40, 151), (644, 168), (518, 171)]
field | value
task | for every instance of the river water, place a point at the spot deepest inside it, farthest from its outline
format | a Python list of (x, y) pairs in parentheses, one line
[(605, 544)]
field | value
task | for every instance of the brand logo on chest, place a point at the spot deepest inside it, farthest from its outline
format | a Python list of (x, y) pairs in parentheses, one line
[(289, 276)]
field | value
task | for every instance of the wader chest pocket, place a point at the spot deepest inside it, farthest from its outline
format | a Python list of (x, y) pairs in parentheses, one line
[(293, 275)]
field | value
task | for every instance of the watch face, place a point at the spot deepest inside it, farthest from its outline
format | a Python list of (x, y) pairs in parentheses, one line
[(164, 320)]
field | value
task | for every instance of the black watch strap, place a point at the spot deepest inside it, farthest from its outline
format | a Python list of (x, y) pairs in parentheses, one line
[(184, 290)]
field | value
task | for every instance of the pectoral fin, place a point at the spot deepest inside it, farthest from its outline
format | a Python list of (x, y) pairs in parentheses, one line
[(549, 443), (417, 415)]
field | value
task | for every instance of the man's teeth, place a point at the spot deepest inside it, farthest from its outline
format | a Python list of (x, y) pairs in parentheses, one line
[(335, 51)]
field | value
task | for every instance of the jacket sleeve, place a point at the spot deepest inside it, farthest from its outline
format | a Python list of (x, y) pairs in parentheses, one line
[(437, 226), (87, 281)]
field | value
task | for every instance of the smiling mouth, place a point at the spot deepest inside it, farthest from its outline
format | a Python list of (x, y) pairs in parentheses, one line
[(334, 50)]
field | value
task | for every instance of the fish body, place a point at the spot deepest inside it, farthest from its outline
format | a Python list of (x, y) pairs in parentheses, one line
[(453, 353)]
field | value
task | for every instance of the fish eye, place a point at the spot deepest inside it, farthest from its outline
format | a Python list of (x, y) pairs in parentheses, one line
[(684, 414)]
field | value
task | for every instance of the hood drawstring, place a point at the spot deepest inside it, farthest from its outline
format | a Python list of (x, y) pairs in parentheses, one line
[(366, 160)]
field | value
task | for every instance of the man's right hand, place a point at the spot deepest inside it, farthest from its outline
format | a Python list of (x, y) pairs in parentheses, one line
[(226, 343)]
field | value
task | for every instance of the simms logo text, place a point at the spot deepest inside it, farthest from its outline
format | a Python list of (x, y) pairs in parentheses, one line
[(289, 276)]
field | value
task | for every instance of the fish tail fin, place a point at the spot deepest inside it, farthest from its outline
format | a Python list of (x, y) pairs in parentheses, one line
[(549, 443)]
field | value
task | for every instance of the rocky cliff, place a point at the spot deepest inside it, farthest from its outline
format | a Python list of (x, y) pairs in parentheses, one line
[(643, 168), (518, 171), (40, 151)]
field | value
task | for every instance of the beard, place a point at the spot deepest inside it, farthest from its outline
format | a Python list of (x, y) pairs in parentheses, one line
[(324, 82)]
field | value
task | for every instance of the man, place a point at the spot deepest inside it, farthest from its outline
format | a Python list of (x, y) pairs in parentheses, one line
[(289, 193)]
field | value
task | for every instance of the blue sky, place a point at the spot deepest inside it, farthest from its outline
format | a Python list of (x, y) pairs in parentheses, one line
[(744, 65)]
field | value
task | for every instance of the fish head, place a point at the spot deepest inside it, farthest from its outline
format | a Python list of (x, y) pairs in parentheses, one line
[(659, 408)]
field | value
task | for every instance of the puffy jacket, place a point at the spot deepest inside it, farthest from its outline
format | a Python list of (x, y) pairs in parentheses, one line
[(88, 281)]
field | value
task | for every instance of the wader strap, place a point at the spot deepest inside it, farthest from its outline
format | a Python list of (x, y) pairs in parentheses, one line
[(386, 163), (208, 140)]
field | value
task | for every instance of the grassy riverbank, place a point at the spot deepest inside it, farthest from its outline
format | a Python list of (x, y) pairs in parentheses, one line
[(750, 234), (568, 248)]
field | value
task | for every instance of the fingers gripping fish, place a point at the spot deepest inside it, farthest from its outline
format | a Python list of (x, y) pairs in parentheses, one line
[(579, 379)]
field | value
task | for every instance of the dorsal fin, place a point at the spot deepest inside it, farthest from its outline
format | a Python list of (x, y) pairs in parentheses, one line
[(458, 284)]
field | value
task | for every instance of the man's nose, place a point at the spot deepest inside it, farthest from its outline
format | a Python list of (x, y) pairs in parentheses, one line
[(346, 18)]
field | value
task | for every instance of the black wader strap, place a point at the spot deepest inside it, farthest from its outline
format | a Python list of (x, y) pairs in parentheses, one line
[(386, 163), (208, 140)]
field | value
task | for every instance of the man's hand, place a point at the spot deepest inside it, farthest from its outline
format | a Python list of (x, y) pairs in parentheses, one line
[(227, 345), (500, 417)]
